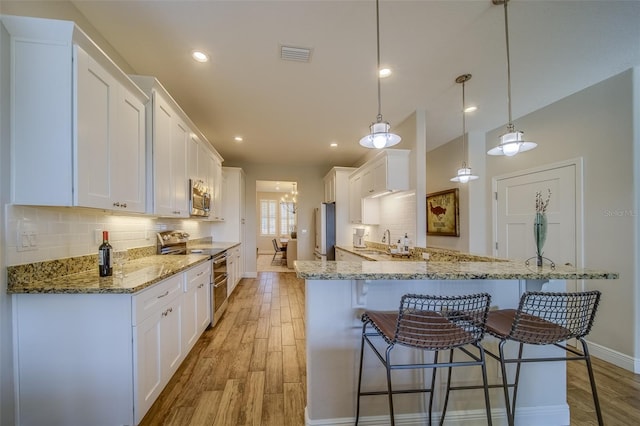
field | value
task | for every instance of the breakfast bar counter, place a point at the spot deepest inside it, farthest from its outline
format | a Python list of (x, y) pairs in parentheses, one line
[(338, 292)]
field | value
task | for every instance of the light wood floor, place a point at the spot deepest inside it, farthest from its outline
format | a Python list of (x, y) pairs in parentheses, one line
[(250, 368)]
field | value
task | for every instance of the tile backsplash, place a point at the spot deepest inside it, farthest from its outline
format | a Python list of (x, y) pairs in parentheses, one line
[(398, 215), (60, 232)]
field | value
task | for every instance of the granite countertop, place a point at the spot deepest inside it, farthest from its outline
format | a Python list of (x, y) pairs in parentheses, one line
[(432, 270), (213, 247), (378, 251), (139, 274)]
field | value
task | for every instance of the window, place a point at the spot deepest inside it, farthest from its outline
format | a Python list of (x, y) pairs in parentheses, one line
[(268, 217), (287, 217)]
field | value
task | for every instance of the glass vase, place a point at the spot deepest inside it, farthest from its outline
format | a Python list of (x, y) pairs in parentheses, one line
[(540, 235)]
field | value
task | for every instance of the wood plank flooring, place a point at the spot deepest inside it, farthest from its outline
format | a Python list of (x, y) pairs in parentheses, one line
[(250, 368)]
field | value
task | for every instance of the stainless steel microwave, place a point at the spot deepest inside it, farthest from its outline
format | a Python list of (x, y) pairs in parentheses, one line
[(199, 198)]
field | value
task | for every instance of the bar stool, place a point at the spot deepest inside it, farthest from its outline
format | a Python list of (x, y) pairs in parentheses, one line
[(544, 319), (428, 323)]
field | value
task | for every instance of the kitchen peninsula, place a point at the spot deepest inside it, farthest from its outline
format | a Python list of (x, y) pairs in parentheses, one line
[(338, 292)]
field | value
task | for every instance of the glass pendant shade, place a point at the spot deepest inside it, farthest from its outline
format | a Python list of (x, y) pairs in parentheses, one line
[(380, 137), (464, 175), (512, 143)]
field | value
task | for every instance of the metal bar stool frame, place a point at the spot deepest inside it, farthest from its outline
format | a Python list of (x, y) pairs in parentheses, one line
[(544, 319), (429, 323)]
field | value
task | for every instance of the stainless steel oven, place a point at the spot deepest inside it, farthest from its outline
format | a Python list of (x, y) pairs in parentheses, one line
[(218, 286)]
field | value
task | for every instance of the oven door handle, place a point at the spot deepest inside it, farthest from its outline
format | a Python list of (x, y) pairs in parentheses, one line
[(220, 282), (220, 259)]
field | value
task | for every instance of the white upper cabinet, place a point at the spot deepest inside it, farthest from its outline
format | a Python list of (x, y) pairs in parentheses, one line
[(178, 152), (168, 139), (387, 172), (78, 122)]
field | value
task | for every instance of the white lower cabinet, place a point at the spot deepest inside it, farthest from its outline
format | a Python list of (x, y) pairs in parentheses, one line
[(157, 340), (196, 304), (103, 359)]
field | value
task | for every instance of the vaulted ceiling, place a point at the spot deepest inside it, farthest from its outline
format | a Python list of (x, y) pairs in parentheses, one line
[(289, 111)]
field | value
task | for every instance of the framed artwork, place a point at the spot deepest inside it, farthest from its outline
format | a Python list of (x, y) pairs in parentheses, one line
[(442, 213)]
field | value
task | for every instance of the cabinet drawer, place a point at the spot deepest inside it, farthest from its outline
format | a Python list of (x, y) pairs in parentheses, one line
[(152, 299), (197, 275)]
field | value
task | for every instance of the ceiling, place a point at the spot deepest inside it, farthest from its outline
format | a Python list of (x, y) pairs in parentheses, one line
[(275, 186), (289, 112)]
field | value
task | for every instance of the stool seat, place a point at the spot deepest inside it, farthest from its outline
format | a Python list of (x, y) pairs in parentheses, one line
[(544, 319), (530, 329), (429, 330), (429, 323)]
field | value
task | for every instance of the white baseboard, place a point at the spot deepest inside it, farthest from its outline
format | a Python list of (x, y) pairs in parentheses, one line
[(552, 415), (614, 357)]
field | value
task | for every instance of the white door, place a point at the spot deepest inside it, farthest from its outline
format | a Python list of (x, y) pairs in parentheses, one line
[(516, 208)]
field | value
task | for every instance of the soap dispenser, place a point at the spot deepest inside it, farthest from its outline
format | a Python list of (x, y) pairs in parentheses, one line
[(406, 243)]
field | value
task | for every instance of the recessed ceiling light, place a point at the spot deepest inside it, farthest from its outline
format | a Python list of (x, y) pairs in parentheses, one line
[(199, 56), (385, 72), (471, 108), (238, 139), (333, 145)]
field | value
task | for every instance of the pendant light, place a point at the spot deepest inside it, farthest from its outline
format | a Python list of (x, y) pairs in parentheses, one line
[(291, 203), (464, 173), (380, 137), (512, 142)]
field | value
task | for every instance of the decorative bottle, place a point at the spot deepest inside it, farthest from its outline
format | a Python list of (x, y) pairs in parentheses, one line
[(105, 268)]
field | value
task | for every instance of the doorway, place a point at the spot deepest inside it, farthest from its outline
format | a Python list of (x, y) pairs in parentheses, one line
[(515, 208), (276, 207)]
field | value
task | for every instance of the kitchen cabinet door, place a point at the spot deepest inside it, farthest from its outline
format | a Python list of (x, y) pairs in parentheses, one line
[(111, 140), (77, 121), (148, 383), (217, 208), (330, 187), (196, 307), (355, 198), (169, 137)]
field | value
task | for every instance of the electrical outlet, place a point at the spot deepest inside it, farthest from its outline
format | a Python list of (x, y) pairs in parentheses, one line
[(27, 236)]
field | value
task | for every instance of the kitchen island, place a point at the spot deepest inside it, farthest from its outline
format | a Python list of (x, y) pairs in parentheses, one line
[(338, 292)]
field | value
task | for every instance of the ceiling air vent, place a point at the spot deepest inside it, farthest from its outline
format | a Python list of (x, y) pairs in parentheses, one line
[(292, 53)]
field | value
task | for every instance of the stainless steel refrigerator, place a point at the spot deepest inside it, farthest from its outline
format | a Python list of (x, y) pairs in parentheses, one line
[(325, 231)]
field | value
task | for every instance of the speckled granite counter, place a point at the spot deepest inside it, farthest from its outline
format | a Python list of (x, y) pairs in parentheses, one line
[(421, 270), (378, 251), (139, 274), (211, 246)]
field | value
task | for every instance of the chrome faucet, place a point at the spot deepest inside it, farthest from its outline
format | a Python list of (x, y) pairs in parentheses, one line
[(386, 234)]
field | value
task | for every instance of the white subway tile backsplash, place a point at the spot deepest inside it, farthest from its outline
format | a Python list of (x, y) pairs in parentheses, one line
[(69, 232), (398, 215)]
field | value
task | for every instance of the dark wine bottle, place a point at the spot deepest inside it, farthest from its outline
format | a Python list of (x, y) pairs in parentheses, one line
[(104, 256)]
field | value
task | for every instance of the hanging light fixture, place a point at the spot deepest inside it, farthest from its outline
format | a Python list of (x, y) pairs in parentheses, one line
[(464, 173), (290, 202), (511, 142), (380, 137)]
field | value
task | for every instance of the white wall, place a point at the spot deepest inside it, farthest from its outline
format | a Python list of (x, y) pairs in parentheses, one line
[(597, 125), (6, 346)]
